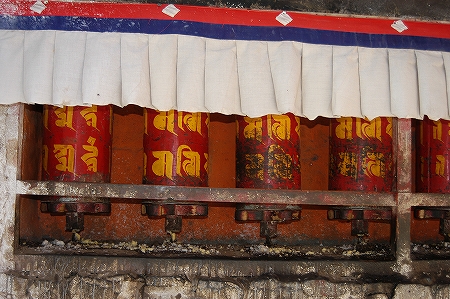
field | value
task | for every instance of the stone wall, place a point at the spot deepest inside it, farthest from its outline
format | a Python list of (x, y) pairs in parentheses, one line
[(126, 286)]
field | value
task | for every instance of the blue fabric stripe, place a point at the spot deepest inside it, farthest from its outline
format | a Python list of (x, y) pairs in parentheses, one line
[(218, 31)]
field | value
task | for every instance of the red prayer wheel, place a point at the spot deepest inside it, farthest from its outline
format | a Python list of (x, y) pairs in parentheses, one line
[(268, 157), (77, 148), (361, 154), (176, 148), (433, 153), (268, 152), (77, 143), (175, 154)]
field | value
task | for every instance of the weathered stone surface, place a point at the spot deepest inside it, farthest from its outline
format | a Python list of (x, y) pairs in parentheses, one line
[(113, 286), (442, 291), (130, 289), (222, 289), (41, 290), (9, 142), (168, 287), (408, 291), (324, 289), (76, 287)]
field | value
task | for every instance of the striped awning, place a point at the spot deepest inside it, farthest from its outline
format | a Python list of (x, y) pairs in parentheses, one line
[(230, 61)]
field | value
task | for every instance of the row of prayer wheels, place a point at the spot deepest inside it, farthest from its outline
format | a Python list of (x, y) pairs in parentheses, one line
[(77, 148)]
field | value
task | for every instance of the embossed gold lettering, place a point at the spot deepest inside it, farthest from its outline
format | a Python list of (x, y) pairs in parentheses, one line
[(64, 115), (90, 158), (437, 130), (344, 128), (192, 121), (280, 163), (65, 154), (188, 161), (440, 165), (373, 165), (253, 129), (279, 126), (89, 114), (163, 165), (347, 165), (254, 166), (165, 121)]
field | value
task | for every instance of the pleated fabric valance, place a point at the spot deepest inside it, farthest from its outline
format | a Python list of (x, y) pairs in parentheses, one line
[(223, 60)]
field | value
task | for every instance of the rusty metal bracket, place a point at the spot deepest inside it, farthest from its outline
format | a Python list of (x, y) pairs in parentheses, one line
[(360, 217), (75, 209), (174, 213), (268, 216), (441, 213)]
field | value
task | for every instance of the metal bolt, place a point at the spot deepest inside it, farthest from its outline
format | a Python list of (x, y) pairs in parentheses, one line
[(420, 214)]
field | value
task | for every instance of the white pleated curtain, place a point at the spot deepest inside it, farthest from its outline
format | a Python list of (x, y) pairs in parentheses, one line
[(251, 78)]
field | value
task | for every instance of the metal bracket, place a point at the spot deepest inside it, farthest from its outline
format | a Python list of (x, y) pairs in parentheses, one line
[(441, 213), (360, 217), (75, 209), (268, 215), (174, 213)]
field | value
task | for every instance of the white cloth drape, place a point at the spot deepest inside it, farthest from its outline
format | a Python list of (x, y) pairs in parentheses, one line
[(251, 78)]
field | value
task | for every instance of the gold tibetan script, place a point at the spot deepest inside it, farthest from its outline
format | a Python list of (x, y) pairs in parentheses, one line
[(90, 158), (364, 130), (344, 128), (192, 121), (65, 154), (163, 164), (348, 165), (437, 130), (165, 121), (188, 161), (253, 129), (440, 165), (373, 165), (89, 114), (280, 163), (254, 166), (279, 126), (64, 115)]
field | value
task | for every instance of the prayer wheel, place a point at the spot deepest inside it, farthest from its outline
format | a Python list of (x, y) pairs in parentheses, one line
[(268, 152), (433, 155), (361, 154), (77, 143), (77, 148), (175, 154), (176, 148), (268, 157)]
